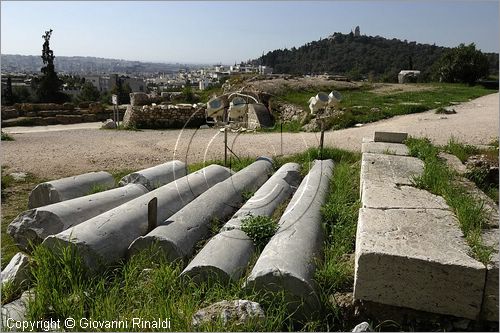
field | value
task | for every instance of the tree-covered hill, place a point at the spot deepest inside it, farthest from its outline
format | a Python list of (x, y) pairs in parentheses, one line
[(360, 56)]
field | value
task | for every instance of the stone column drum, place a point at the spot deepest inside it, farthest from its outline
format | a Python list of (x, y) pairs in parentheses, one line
[(226, 255), (68, 188), (178, 235), (156, 176), (104, 239), (287, 262), (34, 225)]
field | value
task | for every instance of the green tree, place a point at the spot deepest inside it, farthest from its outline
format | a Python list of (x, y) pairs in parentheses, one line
[(121, 89), (22, 95), (7, 96), (88, 93), (462, 64), (48, 86)]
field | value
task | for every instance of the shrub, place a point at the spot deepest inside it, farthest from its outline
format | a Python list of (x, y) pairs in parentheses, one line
[(259, 228)]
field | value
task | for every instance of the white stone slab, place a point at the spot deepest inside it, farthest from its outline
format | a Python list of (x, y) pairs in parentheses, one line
[(418, 259)]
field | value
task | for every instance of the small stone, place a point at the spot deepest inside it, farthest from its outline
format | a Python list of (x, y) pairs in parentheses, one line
[(238, 311), (204, 127), (363, 327), (109, 124), (19, 176)]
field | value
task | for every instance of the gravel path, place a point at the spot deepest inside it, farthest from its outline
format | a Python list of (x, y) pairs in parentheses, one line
[(54, 154)]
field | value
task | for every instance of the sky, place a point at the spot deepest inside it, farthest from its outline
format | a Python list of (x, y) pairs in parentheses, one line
[(233, 31)]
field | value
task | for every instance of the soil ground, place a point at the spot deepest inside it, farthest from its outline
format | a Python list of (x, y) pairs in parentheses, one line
[(50, 153)]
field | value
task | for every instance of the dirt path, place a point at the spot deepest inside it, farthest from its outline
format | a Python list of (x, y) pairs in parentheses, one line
[(54, 154)]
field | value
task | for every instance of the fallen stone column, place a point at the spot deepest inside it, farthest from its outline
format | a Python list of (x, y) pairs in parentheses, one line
[(104, 239), (178, 235), (226, 256), (34, 225), (68, 188), (288, 261), (156, 176)]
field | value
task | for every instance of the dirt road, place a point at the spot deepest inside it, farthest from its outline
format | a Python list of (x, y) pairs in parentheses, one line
[(54, 154)]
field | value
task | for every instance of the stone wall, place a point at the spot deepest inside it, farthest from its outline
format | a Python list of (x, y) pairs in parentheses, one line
[(42, 114), (164, 116)]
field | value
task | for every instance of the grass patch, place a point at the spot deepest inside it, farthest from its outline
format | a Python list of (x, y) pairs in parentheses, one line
[(437, 178), (480, 175), (293, 126), (462, 151), (14, 201), (119, 174), (133, 289), (6, 137), (97, 188), (358, 103), (340, 215)]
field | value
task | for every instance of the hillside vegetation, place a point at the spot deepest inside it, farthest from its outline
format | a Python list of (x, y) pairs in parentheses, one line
[(361, 56)]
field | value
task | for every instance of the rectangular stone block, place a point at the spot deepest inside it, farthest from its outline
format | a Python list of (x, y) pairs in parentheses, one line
[(385, 148), (390, 168), (490, 303), (385, 195), (394, 137), (418, 259)]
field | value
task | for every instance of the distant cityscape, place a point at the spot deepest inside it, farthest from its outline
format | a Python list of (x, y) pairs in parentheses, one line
[(140, 76)]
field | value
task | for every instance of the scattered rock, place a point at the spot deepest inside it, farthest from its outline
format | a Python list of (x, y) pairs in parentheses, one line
[(238, 311), (19, 176), (313, 126), (374, 110), (481, 164), (204, 127), (17, 271), (16, 310), (453, 162), (291, 112), (363, 327), (109, 124)]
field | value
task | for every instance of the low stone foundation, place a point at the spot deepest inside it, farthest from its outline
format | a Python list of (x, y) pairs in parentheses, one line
[(164, 116)]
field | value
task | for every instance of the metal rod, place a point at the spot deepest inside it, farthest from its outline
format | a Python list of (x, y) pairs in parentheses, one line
[(281, 137), (152, 213), (321, 140), (225, 146)]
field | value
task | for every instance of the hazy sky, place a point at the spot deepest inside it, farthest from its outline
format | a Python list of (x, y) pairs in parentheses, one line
[(230, 31)]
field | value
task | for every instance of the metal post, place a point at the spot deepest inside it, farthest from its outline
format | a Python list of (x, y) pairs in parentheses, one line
[(225, 145), (321, 139), (281, 137), (152, 213)]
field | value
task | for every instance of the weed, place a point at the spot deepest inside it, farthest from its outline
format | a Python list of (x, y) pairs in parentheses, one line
[(6, 137), (438, 179), (259, 228), (96, 188), (119, 174), (246, 195), (462, 151), (9, 292)]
